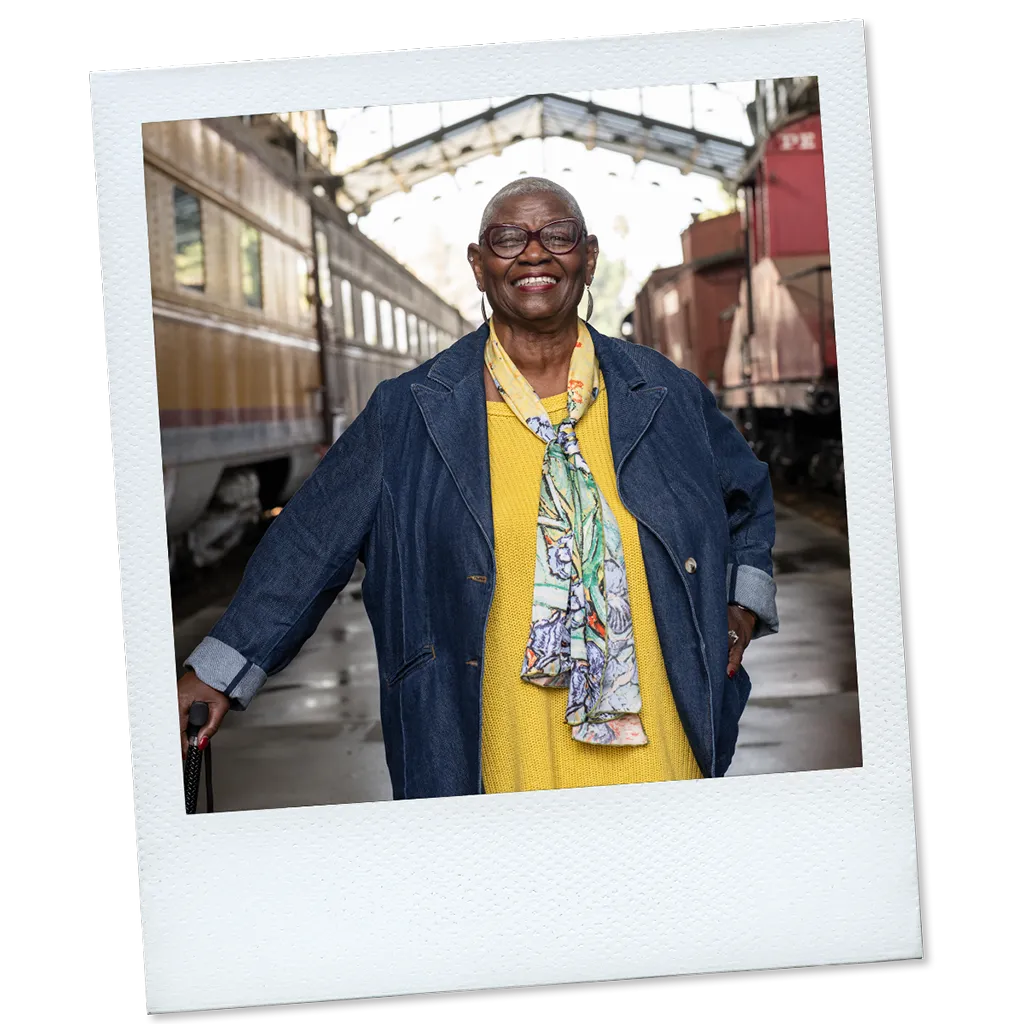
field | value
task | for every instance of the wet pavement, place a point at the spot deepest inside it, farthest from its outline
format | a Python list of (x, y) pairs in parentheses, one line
[(802, 713), (313, 736)]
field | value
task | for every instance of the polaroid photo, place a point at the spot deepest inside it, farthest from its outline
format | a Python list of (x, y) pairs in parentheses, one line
[(505, 516)]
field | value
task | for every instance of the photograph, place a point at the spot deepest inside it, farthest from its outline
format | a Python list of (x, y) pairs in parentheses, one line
[(503, 493), (501, 444)]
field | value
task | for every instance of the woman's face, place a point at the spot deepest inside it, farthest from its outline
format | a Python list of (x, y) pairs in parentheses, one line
[(535, 288)]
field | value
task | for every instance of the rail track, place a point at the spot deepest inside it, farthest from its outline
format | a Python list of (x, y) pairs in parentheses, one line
[(822, 506)]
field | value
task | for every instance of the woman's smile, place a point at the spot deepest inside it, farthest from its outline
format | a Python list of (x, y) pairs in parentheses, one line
[(535, 283)]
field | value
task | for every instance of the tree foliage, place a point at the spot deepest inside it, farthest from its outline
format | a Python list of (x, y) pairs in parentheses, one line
[(609, 309)]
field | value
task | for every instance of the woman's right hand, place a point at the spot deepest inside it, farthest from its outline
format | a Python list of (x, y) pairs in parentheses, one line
[(190, 690)]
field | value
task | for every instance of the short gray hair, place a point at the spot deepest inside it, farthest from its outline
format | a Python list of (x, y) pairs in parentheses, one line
[(530, 187)]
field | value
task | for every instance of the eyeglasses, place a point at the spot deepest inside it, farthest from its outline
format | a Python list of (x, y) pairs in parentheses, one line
[(507, 241)]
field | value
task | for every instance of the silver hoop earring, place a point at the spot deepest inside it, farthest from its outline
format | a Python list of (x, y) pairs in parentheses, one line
[(590, 304), (483, 308)]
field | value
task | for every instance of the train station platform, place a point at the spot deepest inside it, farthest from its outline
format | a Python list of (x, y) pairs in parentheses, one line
[(313, 735), (803, 713)]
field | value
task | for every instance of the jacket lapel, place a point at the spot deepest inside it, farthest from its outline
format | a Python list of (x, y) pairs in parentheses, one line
[(631, 404), (452, 403)]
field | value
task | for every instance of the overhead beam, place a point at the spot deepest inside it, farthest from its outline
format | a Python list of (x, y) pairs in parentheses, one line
[(543, 115)]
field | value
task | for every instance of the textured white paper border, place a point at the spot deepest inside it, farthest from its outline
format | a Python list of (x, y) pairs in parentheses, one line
[(469, 892)]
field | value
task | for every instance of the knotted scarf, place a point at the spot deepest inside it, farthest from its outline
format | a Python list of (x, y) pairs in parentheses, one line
[(581, 628)]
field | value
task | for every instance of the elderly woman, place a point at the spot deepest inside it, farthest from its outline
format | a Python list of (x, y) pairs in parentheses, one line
[(567, 545)]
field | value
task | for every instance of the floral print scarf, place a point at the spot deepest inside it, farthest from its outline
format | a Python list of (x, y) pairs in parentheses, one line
[(581, 629)]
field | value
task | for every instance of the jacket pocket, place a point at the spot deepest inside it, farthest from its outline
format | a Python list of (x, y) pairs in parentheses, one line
[(421, 657)]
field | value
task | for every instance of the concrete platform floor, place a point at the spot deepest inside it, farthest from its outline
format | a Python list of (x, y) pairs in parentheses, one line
[(803, 713), (313, 734)]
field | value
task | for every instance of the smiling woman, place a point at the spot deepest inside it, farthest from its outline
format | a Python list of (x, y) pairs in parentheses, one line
[(581, 538), (533, 243)]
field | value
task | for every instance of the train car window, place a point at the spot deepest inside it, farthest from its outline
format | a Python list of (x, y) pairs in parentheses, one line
[(347, 312), (189, 257), (387, 325), (252, 275), (401, 334), (369, 318), (414, 334)]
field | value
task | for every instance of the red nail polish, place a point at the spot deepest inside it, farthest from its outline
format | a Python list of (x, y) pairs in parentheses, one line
[(732, 672), (206, 739)]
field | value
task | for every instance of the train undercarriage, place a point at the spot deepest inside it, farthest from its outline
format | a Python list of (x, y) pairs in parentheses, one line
[(212, 509), (799, 447)]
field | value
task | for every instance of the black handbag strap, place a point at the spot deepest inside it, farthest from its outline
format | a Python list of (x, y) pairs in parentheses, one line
[(208, 772)]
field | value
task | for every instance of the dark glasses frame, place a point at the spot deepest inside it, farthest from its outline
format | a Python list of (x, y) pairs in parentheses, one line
[(531, 235)]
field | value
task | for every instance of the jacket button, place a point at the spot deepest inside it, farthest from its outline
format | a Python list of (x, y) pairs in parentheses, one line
[(690, 565)]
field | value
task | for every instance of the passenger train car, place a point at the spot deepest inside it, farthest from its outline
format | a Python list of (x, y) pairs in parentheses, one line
[(274, 317)]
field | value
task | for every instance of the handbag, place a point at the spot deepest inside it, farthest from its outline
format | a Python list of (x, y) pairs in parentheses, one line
[(198, 714)]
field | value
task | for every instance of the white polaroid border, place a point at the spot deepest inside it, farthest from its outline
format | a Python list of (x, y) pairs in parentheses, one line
[(474, 892)]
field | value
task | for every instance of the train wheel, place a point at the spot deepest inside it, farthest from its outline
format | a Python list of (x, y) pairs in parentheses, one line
[(815, 470), (783, 465), (234, 510)]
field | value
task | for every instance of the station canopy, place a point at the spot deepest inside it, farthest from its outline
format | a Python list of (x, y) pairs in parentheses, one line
[(544, 115)]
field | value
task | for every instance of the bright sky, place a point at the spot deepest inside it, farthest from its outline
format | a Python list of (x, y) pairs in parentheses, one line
[(637, 210)]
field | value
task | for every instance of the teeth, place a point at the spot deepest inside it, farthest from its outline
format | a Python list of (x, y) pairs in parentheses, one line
[(535, 280)]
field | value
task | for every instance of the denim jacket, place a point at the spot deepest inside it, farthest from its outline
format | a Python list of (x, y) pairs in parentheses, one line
[(406, 489)]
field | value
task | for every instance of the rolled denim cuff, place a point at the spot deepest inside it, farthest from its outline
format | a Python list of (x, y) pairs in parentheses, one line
[(219, 665), (754, 589)]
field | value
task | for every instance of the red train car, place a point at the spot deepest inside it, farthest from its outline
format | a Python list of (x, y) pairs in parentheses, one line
[(749, 309), (779, 378), (679, 309)]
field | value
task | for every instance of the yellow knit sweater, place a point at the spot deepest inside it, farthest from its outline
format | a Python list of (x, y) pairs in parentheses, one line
[(526, 742)]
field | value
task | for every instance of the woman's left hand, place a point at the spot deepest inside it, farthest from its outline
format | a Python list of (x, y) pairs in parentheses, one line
[(741, 622)]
